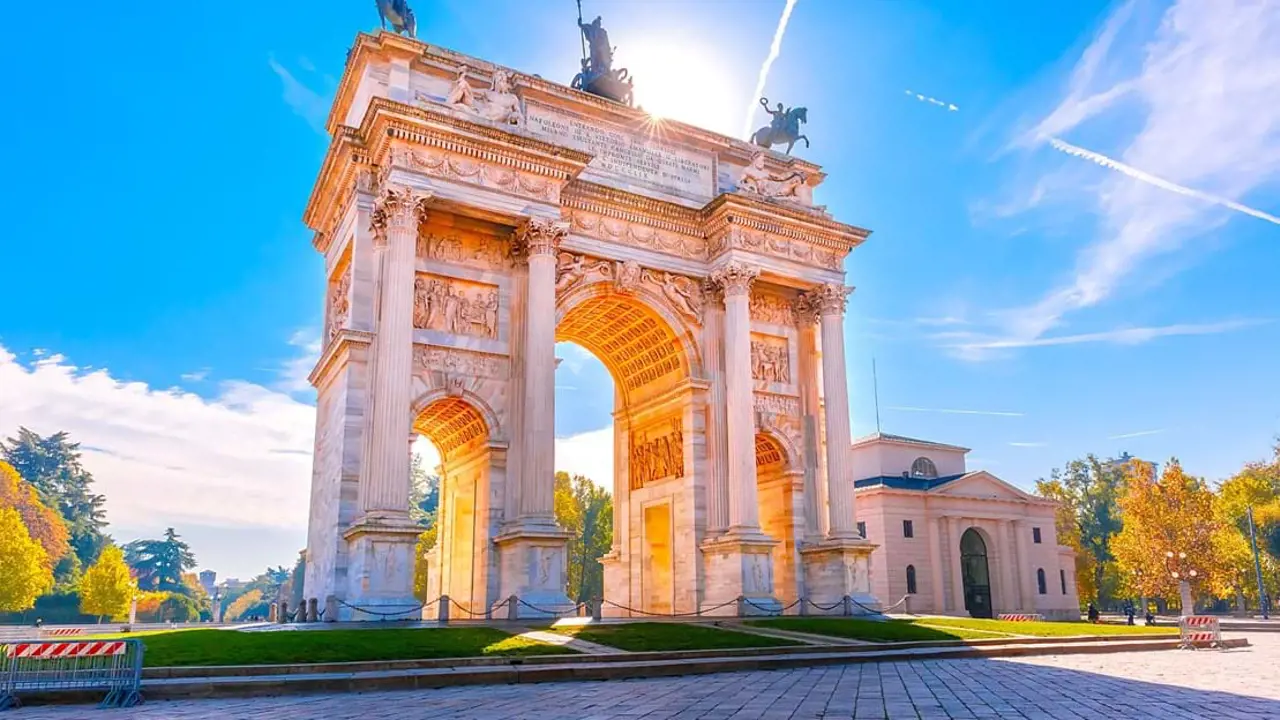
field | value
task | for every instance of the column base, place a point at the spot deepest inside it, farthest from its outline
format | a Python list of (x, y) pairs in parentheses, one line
[(532, 567), (617, 584), (380, 570), (836, 568), (739, 564)]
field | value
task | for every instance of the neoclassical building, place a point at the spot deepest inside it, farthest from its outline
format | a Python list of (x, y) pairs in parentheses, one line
[(471, 217), (954, 541)]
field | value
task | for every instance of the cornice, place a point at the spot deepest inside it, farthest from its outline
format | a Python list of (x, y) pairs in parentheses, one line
[(622, 205), (342, 343), (733, 209)]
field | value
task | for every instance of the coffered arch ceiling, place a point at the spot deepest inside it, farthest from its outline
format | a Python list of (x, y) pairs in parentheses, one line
[(453, 425)]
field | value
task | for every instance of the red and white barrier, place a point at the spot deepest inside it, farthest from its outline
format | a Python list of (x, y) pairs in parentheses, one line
[(51, 651), (1195, 630), (61, 632), (1021, 617)]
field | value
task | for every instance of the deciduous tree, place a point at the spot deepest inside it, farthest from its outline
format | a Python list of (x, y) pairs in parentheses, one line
[(44, 524), (107, 587), (426, 541), (52, 465), (1090, 488), (25, 573), (250, 604), (585, 510)]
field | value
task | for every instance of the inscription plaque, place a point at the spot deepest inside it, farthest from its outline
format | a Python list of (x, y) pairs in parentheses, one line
[(629, 155)]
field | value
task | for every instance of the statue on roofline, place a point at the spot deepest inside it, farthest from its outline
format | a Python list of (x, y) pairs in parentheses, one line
[(400, 15), (784, 127), (598, 76)]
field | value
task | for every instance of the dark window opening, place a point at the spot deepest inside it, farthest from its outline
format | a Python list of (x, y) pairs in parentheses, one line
[(911, 579), (907, 529), (1044, 590), (1062, 575), (1035, 535), (862, 529)]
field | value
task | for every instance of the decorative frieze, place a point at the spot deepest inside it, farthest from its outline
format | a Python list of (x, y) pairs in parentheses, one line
[(684, 294), (478, 251), (455, 306), (769, 308), (770, 360), (339, 305), (776, 245), (638, 235), (774, 404), (656, 458), (467, 170), (456, 362)]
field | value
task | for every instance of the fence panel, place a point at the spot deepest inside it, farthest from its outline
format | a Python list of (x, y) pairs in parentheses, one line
[(113, 666), (1198, 630)]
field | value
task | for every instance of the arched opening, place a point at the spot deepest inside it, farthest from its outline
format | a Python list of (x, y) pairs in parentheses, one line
[(648, 364), (1041, 585), (911, 579), (778, 495), (923, 467), (453, 447), (975, 574)]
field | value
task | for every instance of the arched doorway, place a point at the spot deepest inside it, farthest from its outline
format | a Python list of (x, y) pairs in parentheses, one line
[(974, 570), (779, 490)]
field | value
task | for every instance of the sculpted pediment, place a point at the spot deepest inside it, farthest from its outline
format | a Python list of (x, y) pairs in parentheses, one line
[(982, 484)]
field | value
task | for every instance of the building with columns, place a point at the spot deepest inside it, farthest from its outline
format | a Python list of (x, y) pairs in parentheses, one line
[(471, 217), (957, 542)]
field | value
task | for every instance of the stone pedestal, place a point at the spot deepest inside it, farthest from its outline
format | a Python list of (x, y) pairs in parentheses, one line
[(739, 566), (617, 583), (532, 566), (834, 569), (380, 571)]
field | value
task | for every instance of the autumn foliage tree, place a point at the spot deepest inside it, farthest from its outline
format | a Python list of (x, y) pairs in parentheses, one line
[(44, 524), (1088, 519), (1170, 514), (585, 510), (107, 587), (25, 572)]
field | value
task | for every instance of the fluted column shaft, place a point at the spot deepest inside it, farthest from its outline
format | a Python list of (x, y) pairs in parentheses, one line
[(810, 375), (385, 480), (735, 280), (538, 240), (830, 301), (717, 457)]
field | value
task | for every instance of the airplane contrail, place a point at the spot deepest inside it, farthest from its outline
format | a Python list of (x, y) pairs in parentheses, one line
[(1146, 177), (933, 101), (774, 49)]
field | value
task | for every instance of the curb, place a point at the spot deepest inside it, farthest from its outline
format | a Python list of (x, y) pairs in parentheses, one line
[(556, 669)]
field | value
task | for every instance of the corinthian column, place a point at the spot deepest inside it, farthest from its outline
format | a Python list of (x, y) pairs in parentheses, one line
[(830, 302), (735, 281), (538, 240), (384, 474)]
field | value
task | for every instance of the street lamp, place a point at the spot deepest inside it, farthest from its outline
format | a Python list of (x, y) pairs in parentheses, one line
[(1184, 578)]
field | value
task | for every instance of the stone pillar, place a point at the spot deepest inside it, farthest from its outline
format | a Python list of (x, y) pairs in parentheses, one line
[(1004, 551), (830, 301), (1025, 569), (532, 549), (957, 570), (717, 438), (381, 540), (810, 375), (937, 536)]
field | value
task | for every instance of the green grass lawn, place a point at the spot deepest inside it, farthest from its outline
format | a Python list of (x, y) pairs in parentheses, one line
[(647, 636), (229, 647), (1046, 629), (870, 630)]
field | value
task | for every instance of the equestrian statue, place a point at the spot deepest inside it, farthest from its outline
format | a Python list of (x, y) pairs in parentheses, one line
[(783, 128), (598, 76), (400, 15)]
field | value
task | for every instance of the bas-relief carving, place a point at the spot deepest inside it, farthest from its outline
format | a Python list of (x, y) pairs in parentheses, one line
[(684, 294), (772, 404), (655, 459), (460, 362), (761, 182), (455, 307), (497, 104), (758, 242), (639, 235), (772, 309), (452, 167), (339, 301), (484, 252), (770, 360)]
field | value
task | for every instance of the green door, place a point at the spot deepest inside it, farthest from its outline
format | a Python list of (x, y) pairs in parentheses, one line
[(977, 579)]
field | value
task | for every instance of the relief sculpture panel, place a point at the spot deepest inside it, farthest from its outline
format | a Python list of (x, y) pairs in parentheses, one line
[(656, 458), (339, 301), (455, 306), (482, 252), (683, 294), (770, 360), (773, 309)]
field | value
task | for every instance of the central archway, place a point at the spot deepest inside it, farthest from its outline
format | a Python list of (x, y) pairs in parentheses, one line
[(650, 353), (975, 574)]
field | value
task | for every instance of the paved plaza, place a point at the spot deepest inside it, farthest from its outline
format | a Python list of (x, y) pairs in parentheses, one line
[(1172, 684)]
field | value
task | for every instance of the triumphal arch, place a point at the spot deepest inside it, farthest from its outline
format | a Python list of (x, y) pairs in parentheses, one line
[(470, 218)]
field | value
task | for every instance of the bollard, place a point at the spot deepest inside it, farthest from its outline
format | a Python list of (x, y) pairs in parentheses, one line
[(848, 606), (742, 606), (273, 613), (804, 606), (442, 612), (513, 611), (331, 608), (597, 604), (284, 611), (312, 607)]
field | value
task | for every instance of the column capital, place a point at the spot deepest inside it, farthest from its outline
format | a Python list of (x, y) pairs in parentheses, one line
[(397, 208), (827, 299), (735, 278), (539, 236), (806, 311)]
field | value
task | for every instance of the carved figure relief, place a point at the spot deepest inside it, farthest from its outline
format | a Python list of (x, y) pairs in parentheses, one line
[(459, 362), (484, 252), (339, 301), (685, 295), (656, 459), (759, 181), (501, 105), (798, 250), (462, 93), (777, 404), (462, 169), (453, 307), (770, 361), (626, 275), (772, 309), (639, 235)]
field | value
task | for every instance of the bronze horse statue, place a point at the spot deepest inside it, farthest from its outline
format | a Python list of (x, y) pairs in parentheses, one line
[(400, 15), (784, 128)]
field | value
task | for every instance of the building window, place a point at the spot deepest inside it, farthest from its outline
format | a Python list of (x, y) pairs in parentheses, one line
[(862, 529), (907, 530), (923, 467), (1035, 535), (1040, 582), (911, 579), (1062, 575)]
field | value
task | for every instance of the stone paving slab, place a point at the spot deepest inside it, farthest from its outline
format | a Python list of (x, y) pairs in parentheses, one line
[(1168, 684)]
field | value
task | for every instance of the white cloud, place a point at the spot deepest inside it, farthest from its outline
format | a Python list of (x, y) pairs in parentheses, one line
[(1200, 90), (975, 348), (589, 454), (296, 370), (306, 103), (1140, 433), (196, 376), (240, 462), (954, 411), (1027, 444)]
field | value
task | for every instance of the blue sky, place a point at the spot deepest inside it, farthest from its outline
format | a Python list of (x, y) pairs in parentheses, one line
[(1080, 252)]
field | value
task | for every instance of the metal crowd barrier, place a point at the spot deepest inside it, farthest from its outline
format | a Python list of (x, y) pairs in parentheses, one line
[(1197, 630), (1021, 617), (114, 666)]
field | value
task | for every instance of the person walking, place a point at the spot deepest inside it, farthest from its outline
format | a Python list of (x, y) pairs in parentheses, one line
[(1129, 610), (1093, 613)]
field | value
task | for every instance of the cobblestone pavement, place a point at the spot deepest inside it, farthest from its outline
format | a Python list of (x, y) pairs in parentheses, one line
[(1171, 684)]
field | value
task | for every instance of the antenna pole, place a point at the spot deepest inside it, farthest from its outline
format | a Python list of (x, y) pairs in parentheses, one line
[(875, 385)]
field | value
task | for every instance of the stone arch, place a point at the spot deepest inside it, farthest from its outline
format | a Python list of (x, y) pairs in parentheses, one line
[(458, 402), (636, 334), (767, 434)]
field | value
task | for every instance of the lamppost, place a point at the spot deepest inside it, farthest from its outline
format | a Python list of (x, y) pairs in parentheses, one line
[(1184, 577)]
